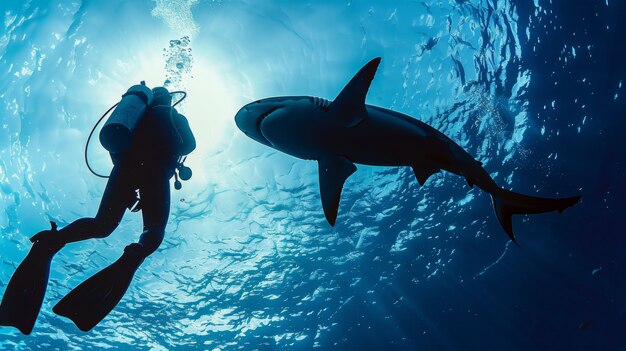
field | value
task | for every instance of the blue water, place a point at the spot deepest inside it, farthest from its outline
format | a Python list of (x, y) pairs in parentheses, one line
[(534, 89)]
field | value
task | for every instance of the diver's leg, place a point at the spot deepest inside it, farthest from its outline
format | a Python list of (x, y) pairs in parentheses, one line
[(117, 196), (92, 300), (155, 209), (25, 292)]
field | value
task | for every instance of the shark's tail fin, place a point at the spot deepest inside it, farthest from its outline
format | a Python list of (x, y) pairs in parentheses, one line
[(507, 203)]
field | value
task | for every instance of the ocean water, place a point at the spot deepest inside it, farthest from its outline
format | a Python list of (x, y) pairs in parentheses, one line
[(533, 89)]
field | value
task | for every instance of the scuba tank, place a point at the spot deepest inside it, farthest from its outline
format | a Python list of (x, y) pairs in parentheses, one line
[(117, 132)]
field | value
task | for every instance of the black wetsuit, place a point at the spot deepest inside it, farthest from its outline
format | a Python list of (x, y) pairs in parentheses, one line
[(147, 166)]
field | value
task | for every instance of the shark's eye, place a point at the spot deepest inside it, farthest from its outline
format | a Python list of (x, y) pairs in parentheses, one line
[(258, 101)]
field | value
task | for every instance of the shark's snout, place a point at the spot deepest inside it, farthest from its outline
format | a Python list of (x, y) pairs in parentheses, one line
[(249, 119), (240, 120)]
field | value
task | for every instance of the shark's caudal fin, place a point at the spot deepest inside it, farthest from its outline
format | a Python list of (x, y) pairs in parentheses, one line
[(507, 203), (350, 103)]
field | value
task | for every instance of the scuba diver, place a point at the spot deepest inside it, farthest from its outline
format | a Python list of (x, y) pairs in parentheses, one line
[(147, 139)]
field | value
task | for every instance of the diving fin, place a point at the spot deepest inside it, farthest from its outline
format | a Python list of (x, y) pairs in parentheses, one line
[(507, 203), (25, 292), (92, 300)]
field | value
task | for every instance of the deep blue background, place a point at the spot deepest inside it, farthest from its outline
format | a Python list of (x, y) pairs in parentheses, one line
[(539, 296), (249, 262)]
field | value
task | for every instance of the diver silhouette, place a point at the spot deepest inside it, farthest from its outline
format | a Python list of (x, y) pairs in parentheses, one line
[(148, 138)]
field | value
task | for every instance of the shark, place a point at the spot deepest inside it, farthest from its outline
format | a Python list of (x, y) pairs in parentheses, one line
[(346, 131)]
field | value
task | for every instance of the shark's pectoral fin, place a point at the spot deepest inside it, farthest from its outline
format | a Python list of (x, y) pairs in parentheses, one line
[(423, 172), (350, 103), (333, 173)]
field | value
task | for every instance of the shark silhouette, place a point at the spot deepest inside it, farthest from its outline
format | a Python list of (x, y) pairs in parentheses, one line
[(346, 131)]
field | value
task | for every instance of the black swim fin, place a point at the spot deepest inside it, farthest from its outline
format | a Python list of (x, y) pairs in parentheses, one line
[(25, 292), (92, 300)]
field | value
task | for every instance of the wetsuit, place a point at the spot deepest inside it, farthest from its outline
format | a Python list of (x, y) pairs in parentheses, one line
[(147, 166), (160, 138)]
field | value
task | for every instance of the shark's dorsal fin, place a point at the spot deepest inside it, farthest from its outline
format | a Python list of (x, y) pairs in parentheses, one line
[(333, 172), (350, 103)]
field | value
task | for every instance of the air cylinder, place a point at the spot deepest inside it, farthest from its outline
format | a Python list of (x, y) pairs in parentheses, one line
[(118, 130)]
